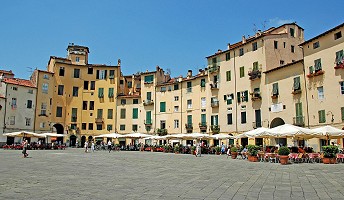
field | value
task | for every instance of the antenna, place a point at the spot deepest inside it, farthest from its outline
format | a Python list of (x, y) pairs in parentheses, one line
[(264, 25), (29, 69), (254, 28)]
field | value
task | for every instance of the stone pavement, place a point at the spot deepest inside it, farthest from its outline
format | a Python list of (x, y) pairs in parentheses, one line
[(73, 174)]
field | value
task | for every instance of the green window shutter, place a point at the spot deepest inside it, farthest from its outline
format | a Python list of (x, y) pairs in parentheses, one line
[(189, 119), (212, 120), (149, 95), (246, 95), (311, 70), (202, 82), (110, 113), (342, 109), (135, 113), (242, 72), (297, 84), (162, 106), (188, 85), (238, 97), (101, 92), (275, 89), (111, 92), (228, 76), (149, 79), (148, 117), (228, 56), (298, 108), (224, 97), (317, 64), (203, 119), (123, 113), (322, 118), (100, 113), (255, 66)]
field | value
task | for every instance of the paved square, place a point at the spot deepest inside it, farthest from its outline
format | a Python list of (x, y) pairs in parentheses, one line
[(73, 174)]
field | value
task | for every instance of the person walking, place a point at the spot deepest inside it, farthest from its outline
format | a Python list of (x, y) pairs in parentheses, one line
[(25, 154), (86, 147), (198, 150), (92, 146), (109, 145)]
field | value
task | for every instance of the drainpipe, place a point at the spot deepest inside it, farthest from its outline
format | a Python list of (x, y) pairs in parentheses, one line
[(235, 92), (4, 124), (304, 77)]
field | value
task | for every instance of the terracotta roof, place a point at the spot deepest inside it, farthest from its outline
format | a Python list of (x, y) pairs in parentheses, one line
[(78, 46), (283, 66), (55, 57), (6, 72), (45, 71), (100, 65), (324, 33), (17, 81)]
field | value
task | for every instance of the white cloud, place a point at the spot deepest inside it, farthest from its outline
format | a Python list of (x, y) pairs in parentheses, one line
[(277, 21)]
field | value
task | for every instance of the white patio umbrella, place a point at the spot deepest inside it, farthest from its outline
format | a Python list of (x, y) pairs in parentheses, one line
[(330, 131), (156, 137), (259, 132), (52, 135), (174, 136), (221, 136), (288, 130), (24, 134), (134, 135), (196, 136), (109, 135)]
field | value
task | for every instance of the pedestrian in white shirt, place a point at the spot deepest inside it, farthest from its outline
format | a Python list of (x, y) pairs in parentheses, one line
[(92, 146), (86, 147), (109, 145)]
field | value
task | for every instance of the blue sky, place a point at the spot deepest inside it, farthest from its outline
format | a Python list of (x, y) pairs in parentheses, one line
[(175, 35)]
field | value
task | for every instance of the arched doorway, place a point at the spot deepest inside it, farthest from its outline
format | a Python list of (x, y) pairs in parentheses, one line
[(278, 122), (72, 140), (90, 139), (59, 130), (83, 140)]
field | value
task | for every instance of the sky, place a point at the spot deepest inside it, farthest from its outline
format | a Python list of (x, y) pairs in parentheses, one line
[(176, 35)]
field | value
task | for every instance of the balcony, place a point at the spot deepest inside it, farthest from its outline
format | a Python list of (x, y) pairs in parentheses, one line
[(188, 126), (148, 102), (296, 90), (111, 76), (215, 129), (214, 86), (148, 82), (203, 126), (99, 120), (74, 119), (255, 74), (161, 131), (317, 73), (148, 122), (274, 96), (215, 103), (256, 124), (255, 96), (339, 63), (299, 121), (214, 68)]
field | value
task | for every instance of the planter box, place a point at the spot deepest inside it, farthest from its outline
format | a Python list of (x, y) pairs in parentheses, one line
[(234, 155), (284, 160), (329, 160), (253, 158)]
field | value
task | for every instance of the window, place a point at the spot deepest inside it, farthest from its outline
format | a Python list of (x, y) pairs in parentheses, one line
[(316, 45), (83, 126), (321, 95), (149, 95), (228, 56), (275, 89), (228, 76), (112, 74), (297, 84), (163, 89), (122, 113), (176, 87), (341, 87), (214, 121), (90, 126), (135, 101), (15, 88), (242, 72), (30, 91), (84, 105), (229, 118), (284, 44), (176, 98), (241, 51), (134, 127), (176, 108), (44, 109), (122, 127), (243, 117), (189, 103), (292, 47), (90, 70), (203, 119), (76, 73), (45, 76), (91, 105), (188, 86), (255, 66), (149, 79), (111, 93), (60, 90), (130, 84), (135, 113), (27, 121), (29, 104), (254, 46), (12, 120), (58, 111), (75, 91), (203, 102), (77, 59), (281, 62), (276, 44), (176, 123), (99, 127), (162, 124), (322, 116), (85, 85), (317, 65), (123, 101), (148, 117), (101, 74), (311, 69), (101, 92), (42, 125), (242, 96), (162, 106), (93, 85), (292, 32), (61, 71), (342, 111), (229, 98), (202, 82), (339, 57), (109, 127), (337, 35), (299, 116), (110, 114), (45, 88)]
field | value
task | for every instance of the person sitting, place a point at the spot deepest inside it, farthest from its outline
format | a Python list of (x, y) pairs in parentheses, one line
[(244, 153), (267, 150), (300, 150)]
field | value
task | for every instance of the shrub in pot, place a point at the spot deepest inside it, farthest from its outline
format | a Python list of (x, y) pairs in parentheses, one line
[(234, 152), (217, 150), (193, 150), (283, 153), (330, 154), (252, 152), (176, 149)]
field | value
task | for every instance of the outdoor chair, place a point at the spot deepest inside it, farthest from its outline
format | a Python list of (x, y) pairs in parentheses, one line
[(261, 157), (293, 157), (340, 158), (272, 157)]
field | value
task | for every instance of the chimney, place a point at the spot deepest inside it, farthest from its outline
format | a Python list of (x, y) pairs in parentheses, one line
[(219, 51), (228, 46), (259, 33), (119, 62), (243, 39), (189, 73), (180, 79)]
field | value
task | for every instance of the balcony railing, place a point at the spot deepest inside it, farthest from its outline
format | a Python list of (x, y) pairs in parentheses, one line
[(99, 120), (215, 103), (256, 96), (202, 125), (188, 126), (254, 74), (299, 121), (296, 90), (74, 119), (148, 102), (317, 73), (214, 68), (111, 76), (148, 122), (274, 96), (214, 86), (215, 128)]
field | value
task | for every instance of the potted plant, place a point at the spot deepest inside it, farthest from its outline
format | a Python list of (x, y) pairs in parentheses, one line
[(234, 152), (176, 149), (330, 154), (193, 150), (283, 153), (217, 150), (166, 148), (252, 152)]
